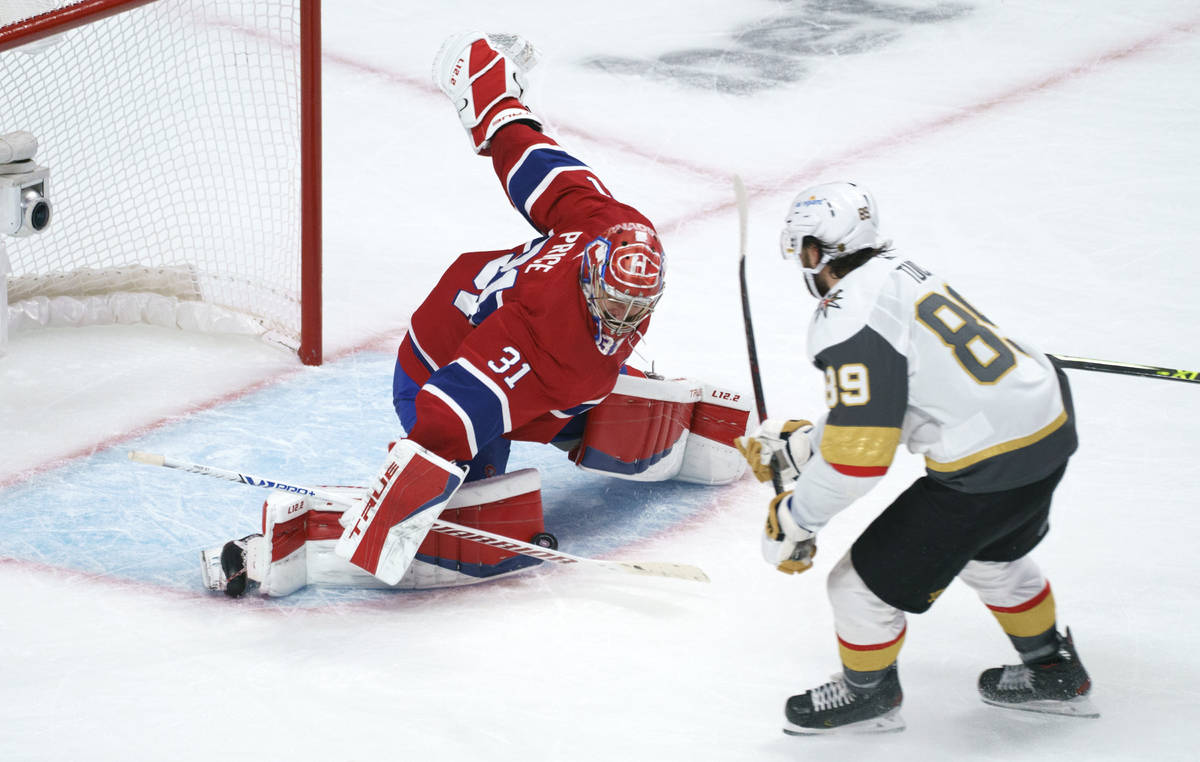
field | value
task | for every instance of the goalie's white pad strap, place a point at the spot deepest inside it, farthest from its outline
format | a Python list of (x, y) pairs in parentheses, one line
[(411, 489)]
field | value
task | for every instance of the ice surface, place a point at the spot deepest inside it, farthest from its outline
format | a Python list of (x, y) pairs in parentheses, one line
[(1041, 156)]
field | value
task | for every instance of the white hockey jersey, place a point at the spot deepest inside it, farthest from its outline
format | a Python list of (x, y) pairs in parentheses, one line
[(908, 360)]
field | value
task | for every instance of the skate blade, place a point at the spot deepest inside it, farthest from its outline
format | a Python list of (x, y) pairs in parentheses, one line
[(891, 722), (1080, 706)]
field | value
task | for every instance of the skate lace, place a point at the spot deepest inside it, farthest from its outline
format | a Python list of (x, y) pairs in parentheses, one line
[(831, 695), (1016, 677)]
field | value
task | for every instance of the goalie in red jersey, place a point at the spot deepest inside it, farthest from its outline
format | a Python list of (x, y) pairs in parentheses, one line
[(510, 344), (513, 344), (528, 344)]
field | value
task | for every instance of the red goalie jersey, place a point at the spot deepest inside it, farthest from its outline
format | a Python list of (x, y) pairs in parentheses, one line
[(515, 343)]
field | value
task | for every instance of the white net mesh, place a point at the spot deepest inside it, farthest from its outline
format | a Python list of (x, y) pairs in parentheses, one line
[(19, 10), (172, 134)]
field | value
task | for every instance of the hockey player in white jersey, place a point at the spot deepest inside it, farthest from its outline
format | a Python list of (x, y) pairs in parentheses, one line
[(907, 360)]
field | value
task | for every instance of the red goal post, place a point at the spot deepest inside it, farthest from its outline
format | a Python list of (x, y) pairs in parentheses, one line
[(183, 139)]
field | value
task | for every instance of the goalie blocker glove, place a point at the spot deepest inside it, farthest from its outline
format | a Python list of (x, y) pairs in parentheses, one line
[(782, 445), (484, 76)]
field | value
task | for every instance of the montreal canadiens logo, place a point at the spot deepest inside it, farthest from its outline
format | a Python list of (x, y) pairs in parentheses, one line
[(636, 267)]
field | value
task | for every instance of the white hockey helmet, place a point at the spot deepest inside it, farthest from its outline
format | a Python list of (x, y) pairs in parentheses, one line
[(842, 216)]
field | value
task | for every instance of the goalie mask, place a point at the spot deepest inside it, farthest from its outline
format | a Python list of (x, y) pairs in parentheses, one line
[(842, 217), (622, 276)]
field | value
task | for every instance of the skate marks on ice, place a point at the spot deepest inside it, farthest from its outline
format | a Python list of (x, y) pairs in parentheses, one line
[(106, 518), (778, 50)]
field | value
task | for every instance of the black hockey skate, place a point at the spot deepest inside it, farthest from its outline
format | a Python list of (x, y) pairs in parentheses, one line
[(1057, 684), (835, 707)]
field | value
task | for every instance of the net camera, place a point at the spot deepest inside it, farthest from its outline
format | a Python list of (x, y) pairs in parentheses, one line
[(24, 209)]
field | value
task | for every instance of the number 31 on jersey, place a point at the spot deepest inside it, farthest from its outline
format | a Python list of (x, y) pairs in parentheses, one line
[(508, 361)]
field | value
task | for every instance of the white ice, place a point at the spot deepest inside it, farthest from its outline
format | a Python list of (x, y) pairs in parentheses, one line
[(1042, 156)]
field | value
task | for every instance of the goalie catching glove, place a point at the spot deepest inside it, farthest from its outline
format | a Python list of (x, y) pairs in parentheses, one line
[(786, 545), (484, 76), (777, 444)]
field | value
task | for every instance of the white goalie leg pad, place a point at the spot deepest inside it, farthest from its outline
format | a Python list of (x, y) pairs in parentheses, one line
[(290, 524), (710, 457), (297, 546), (509, 504), (285, 530), (640, 430), (409, 492), (274, 561), (300, 536)]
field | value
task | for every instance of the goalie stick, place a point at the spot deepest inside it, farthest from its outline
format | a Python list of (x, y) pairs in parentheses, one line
[(1126, 368), (760, 402), (644, 568)]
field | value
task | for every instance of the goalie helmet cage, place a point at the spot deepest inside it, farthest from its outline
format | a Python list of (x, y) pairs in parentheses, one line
[(183, 141)]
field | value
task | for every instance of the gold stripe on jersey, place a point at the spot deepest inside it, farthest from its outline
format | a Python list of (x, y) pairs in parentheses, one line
[(860, 445), (1010, 446)]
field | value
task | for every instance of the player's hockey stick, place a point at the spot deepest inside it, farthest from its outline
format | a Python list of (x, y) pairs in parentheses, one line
[(739, 189), (1127, 369), (760, 402), (645, 568)]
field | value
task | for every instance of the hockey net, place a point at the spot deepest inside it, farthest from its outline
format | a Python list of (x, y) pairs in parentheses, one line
[(183, 142)]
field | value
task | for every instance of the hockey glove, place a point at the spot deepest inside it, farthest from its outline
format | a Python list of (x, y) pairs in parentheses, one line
[(786, 545), (484, 76), (783, 446)]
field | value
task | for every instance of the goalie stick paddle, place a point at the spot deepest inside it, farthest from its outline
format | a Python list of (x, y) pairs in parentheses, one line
[(644, 568), (760, 402), (1126, 368)]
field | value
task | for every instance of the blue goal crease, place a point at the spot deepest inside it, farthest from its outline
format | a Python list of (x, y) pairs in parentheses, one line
[(106, 515)]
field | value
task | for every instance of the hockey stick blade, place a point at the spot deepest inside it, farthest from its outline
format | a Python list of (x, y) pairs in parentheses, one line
[(657, 569), (1126, 368), (645, 568)]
